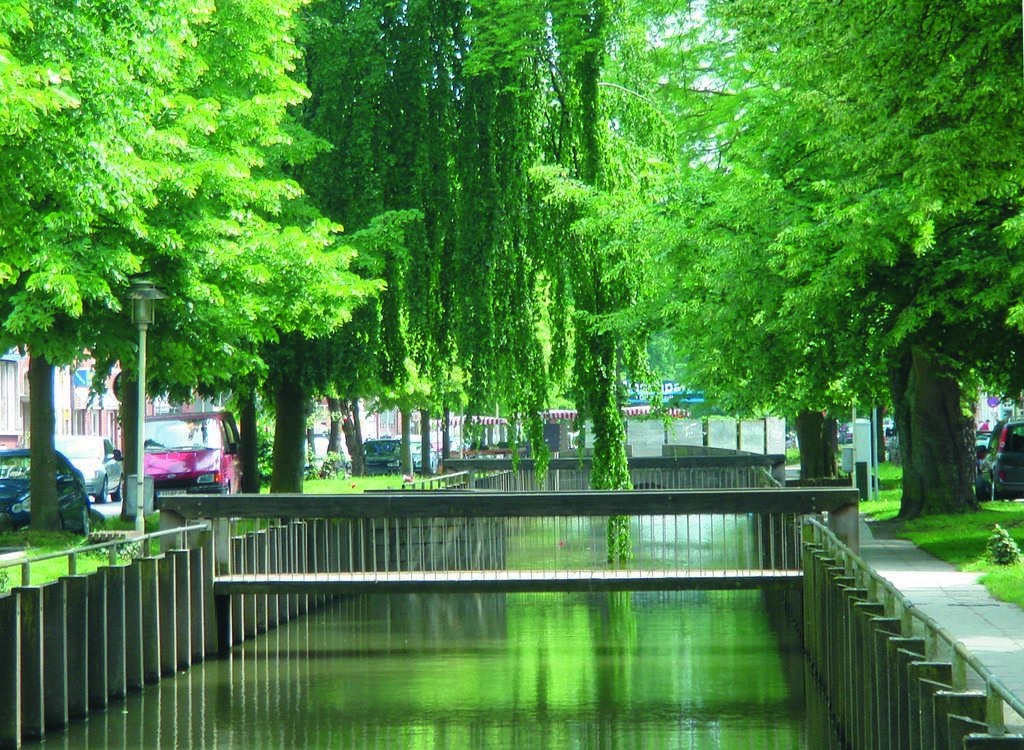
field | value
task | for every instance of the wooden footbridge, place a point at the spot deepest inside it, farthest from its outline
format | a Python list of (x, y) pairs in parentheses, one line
[(458, 540)]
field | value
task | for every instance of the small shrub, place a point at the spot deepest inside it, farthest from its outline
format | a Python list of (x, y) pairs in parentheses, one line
[(1002, 548)]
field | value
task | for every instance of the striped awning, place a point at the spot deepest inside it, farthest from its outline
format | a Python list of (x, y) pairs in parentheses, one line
[(476, 419), (553, 415)]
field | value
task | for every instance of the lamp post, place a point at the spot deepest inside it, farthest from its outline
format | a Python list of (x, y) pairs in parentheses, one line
[(144, 293)]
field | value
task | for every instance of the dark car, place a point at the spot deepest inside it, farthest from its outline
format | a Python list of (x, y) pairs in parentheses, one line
[(1001, 470), (384, 456), (72, 498)]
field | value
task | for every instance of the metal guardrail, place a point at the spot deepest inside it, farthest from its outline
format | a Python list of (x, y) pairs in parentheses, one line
[(942, 644), (447, 481), (115, 551)]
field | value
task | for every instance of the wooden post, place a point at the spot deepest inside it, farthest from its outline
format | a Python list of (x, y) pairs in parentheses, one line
[(197, 582), (10, 671), (32, 715), (182, 608), (77, 591), (97, 660), (845, 524), (149, 580), (134, 674), (168, 629), (969, 707), (115, 614), (55, 655)]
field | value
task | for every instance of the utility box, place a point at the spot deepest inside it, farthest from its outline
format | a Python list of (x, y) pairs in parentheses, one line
[(862, 441), (846, 459), (131, 505)]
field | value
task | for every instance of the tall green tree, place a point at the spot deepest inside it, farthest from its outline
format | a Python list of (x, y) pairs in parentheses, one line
[(878, 139), (158, 142), (446, 108)]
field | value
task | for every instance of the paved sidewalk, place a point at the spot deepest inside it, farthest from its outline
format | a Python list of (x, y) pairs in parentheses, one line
[(990, 629)]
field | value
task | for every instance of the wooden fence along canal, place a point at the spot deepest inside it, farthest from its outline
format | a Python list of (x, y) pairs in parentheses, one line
[(893, 677), (231, 567)]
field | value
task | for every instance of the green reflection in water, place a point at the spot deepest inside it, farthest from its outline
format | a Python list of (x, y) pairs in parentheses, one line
[(642, 670)]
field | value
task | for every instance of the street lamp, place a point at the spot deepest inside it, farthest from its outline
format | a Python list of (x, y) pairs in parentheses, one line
[(144, 293)]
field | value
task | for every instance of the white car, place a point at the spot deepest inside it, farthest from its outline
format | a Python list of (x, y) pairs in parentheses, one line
[(99, 461)]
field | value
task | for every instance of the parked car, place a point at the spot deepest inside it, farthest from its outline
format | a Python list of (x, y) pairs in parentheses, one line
[(384, 456), (981, 440), (72, 499), (193, 453), (99, 461), (1001, 470)]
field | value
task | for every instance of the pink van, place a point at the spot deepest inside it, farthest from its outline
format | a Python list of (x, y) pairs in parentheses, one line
[(193, 453)]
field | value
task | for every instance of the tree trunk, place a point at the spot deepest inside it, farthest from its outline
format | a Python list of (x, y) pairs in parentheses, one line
[(353, 436), (42, 421), (817, 454), (446, 434), (289, 439), (335, 430), (249, 450), (935, 435), (879, 416), (128, 396), (425, 444), (406, 443)]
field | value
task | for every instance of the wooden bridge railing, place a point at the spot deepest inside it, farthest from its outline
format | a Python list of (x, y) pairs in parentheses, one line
[(497, 541)]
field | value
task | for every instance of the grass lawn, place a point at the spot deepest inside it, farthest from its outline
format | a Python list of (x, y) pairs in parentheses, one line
[(957, 539), (346, 485)]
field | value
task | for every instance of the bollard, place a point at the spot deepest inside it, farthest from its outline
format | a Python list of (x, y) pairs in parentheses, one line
[(883, 630), (77, 594), (958, 714), (250, 627), (903, 653), (197, 597), (168, 629), (210, 614), (182, 608), (927, 678), (849, 681), (149, 583), (861, 625), (237, 602), (224, 608), (271, 565), (134, 675), (10, 671), (32, 712), (97, 629), (55, 655), (258, 553), (115, 615)]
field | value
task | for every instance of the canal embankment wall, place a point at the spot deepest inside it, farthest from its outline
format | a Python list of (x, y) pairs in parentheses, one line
[(83, 642), (893, 676)]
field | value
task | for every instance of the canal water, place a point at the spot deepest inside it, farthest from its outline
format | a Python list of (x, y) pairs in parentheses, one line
[(671, 670)]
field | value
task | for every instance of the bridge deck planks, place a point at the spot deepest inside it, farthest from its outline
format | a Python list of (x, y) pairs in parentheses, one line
[(504, 581)]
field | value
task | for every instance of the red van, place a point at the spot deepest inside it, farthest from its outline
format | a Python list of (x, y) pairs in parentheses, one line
[(193, 453)]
